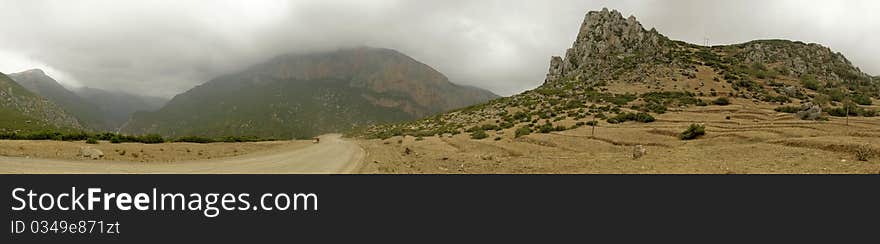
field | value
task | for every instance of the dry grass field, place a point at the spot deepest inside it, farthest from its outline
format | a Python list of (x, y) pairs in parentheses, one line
[(137, 152), (746, 138)]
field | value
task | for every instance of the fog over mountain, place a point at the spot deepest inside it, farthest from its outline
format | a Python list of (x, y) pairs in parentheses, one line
[(163, 48)]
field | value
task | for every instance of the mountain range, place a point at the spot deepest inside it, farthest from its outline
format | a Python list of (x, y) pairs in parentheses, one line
[(94, 109), (303, 95), (615, 71)]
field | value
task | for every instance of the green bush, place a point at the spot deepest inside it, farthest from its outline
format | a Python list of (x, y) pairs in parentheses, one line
[(194, 139), (861, 99), (92, 141), (152, 139), (523, 131), (654, 108), (811, 83), (693, 131), (837, 112), (702, 103), (479, 135), (788, 109), (721, 101), (545, 128), (638, 117)]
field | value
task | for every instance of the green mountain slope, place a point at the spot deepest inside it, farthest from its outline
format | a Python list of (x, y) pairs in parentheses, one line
[(616, 69), (36, 81), (310, 94), (23, 111)]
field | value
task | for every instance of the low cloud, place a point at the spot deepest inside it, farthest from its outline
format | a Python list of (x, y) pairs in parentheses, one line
[(166, 47)]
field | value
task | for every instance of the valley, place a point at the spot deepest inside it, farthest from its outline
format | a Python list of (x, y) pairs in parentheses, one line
[(622, 100)]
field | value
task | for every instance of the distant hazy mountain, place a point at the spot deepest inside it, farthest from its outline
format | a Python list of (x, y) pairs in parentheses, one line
[(24, 111), (310, 94), (117, 107), (36, 81)]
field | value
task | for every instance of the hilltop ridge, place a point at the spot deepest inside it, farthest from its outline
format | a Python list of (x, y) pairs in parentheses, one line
[(617, 71)]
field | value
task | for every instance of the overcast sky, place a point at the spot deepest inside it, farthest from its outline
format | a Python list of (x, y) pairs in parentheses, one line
[(163, 48)]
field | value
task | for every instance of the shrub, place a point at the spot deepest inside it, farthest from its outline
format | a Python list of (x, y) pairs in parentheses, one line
[(152, 139), (479, 135), (545, 128), (194, 139), (810, 82), (243, 139), (788, 109), (693, 132), (638, 117), (592, 123), (861, 99), (523, 131), (702, 103), (837, 112), (721, 101), (92, 141), (865, 153)]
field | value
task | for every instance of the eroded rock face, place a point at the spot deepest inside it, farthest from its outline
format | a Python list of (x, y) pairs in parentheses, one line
[(556, 69), (606, 40), (801, 59)]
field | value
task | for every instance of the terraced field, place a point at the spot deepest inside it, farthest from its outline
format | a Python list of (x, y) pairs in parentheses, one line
[(739, 139)]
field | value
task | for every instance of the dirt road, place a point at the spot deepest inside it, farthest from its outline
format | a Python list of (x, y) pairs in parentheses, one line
[(332, 155)]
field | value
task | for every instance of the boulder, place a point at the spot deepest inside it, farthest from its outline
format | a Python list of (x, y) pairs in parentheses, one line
[(91, 153), (810, 111), (639, 151)]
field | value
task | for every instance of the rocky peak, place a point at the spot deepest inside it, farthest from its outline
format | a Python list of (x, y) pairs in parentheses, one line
[(801, 59), (605, 37)]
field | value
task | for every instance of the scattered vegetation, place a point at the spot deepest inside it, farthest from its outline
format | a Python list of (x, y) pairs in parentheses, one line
[(93, 138), (851, 109), (523, 131), (721, 101), (693, 131), (479, 135)]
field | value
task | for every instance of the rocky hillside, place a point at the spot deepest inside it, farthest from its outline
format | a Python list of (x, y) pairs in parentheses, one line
[(617, 71), (36, 81), (23, 111), (310, 94)]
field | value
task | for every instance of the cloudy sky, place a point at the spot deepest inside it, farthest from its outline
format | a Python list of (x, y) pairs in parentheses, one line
[(166, 47)]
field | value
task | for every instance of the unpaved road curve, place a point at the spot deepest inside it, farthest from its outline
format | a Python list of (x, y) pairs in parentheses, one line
[(333, 155)]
